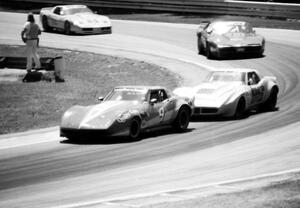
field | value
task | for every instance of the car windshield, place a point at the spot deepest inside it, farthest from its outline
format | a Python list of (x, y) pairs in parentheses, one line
[(71, 11), (127, 95), (226, 76), (231, 27)]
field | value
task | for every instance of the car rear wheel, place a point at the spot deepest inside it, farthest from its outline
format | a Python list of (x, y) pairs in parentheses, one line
[(208, 52), (240, 109), (67, 28), (182, 120), (200, 46), (135, 129), (45, 24), (270, 103)]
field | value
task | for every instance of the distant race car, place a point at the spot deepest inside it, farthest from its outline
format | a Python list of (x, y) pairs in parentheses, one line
[(74, 19), (225, 38), (232, 92), (127, 111)]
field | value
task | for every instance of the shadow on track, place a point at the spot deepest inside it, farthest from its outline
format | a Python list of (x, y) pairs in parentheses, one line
[(222, 119), (109, 140)]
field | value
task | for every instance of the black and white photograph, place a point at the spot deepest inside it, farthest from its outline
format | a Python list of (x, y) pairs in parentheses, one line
[(149, 104)]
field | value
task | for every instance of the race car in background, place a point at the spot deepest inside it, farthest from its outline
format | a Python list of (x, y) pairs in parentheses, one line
[(231, 93), (127, 111), (74, 19), (226, 38)]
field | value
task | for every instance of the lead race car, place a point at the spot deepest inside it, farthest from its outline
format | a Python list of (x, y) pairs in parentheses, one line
[(226, 38), (127, 111), (232, 92), (74, 19)]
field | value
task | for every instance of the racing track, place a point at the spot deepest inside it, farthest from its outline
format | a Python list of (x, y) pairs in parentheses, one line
[(49, 173)]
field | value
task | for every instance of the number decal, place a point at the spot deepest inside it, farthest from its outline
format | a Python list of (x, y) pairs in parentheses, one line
[(161, 113)]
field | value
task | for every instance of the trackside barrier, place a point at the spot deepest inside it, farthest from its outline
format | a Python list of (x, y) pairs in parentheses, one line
[(222, 7)]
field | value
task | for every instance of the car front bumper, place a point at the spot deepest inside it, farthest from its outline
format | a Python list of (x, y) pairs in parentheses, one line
[(236, 50), (92, 30)]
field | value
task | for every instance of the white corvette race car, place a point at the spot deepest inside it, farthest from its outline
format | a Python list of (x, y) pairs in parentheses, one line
[(232, 92), (74, 19)]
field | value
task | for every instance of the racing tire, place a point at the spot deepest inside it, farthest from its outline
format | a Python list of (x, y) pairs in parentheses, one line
[(208, 52), (240, 109), (182, 120), (270, 103), (200, 46), (45, 24), (67, 28), (135, 129)]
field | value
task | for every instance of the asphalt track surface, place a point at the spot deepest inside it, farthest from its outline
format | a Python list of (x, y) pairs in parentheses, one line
[(39, 169)]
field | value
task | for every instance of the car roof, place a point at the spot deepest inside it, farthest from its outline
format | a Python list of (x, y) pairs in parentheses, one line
[(235, 70), (140, 87), (72, 6), (229, 22)]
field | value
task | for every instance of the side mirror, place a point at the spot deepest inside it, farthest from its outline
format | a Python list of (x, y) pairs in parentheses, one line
[(153, 100), (100, 98)]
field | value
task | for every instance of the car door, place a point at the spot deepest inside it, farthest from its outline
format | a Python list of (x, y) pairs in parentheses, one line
[(56, 17), (156, 110), (257, 87), (169, 106)]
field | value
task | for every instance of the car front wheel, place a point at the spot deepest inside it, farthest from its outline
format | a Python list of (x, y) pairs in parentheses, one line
[(67, 28), (182, 120), (240, 109), (45, 24), (135, 129)]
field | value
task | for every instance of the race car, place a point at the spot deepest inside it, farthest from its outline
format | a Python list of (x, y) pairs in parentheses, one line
[(227, 38), (127, 111), (232, 92), (74, 19)]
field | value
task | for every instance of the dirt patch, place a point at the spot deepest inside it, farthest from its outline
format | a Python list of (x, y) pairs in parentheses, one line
[(25, 106)]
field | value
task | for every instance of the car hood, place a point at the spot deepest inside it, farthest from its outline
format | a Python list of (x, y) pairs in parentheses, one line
[(238, 39), (89, 19), (100, 116), (215, 93)]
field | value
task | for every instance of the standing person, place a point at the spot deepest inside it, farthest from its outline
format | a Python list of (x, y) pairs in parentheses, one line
[(30, 36)]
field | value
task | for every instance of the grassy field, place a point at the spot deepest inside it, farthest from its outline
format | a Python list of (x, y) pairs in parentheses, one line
[(25, 106)]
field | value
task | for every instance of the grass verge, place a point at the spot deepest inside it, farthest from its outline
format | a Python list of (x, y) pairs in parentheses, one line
[(283, 194), (25, 106)]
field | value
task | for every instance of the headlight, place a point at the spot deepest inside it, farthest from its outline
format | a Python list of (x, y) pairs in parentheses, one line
[(123, 117)]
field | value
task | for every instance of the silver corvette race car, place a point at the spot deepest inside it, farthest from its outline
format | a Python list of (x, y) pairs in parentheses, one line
[(74, 19), (232, 92), (127, 111), (226, 38)]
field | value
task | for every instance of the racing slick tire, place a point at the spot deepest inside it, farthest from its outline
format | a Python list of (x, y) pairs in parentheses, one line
[(45, 24), (200, 46), (67, 28), (270, 103), (182, 120), (135, 129), (208, 52), (240, 109)]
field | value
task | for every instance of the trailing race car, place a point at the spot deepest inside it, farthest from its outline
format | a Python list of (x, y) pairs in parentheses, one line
[(232, 92), (127, 111), (221, 38), (74, 19)]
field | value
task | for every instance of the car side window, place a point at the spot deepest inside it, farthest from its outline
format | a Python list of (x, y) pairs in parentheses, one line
[(163, 95), (154, 94), (253, 78), (209, 28), (57, 10)]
